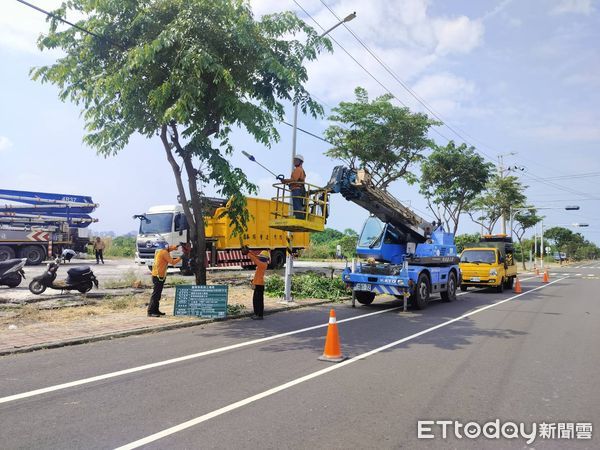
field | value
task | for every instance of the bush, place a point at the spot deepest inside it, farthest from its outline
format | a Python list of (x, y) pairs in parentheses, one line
[(309, 285)]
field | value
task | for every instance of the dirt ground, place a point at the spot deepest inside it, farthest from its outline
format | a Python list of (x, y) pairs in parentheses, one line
[(124, 292)]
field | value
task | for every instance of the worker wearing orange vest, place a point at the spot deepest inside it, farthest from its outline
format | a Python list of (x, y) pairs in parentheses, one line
[(297, 188), (162, 259), (258, 282)]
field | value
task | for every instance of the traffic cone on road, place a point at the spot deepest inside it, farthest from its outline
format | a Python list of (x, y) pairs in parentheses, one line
[(332, 351), (546, 277), (517, 289)]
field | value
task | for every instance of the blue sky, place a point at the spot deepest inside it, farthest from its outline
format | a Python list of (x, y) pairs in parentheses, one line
[(507, 76)]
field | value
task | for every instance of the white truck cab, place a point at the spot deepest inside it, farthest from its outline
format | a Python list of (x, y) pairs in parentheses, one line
[(166, 222)]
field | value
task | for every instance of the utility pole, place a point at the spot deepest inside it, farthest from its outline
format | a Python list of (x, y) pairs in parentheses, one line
[(501, 175), (289, 260)]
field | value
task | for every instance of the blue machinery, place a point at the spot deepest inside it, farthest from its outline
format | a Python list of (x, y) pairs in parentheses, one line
[(403, 254)]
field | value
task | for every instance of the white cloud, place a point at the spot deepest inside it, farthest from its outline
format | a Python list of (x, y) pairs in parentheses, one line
[(460, 35), (5, 144), (573, 6), (446, 91), (565, 132)]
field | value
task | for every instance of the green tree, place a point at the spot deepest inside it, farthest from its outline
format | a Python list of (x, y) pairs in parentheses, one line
[(451, 177), (188, 71), (501, 195), (378, 136), (523, 221), (460, 240), (327, 235)]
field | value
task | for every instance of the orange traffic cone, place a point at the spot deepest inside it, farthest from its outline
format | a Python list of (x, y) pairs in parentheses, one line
[(332, 352), (517, 289), (546, 277)]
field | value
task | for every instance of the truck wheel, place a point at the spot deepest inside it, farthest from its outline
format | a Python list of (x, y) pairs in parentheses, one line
[(450, 294), (500, 287), (422, 291), (35, 255), (277, 259), (463, 288), (36, 287), (12, 280), (6, 253), (364, 298)]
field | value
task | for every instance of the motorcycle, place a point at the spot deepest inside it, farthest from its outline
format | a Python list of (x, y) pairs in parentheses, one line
[(81, 279), (11, 272)]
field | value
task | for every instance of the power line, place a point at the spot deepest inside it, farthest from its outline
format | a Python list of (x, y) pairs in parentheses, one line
[(308, 132), (362, 66), (402, 83), (74, 25), (560, 187)]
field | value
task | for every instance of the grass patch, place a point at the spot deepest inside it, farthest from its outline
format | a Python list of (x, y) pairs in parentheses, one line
[(308, 285), (236, 309), (129, 279)]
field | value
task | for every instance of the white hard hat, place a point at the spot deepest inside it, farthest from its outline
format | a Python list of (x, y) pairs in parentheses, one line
[(300, 157)]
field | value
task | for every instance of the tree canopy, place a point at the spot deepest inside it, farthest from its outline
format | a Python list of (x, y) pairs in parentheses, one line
[(501, 195), (378, 136), (189, 71), (451, 177)]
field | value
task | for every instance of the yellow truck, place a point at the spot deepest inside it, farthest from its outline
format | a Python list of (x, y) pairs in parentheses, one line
[(168, 222), (490, 263)]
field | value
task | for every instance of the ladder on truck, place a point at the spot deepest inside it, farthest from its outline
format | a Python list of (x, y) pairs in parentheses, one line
[(356, 186), (45, 209)]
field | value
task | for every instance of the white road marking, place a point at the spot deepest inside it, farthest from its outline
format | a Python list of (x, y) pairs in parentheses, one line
[(218, 412), (167, 362), (179, 359)]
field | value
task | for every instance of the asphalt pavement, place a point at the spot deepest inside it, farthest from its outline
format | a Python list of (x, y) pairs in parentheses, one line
[(530, 358)]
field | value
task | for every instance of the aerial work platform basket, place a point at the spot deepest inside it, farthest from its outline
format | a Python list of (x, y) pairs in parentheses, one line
[(310, 214)]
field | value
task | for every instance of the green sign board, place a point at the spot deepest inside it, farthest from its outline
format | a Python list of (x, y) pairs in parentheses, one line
[(202, 301)]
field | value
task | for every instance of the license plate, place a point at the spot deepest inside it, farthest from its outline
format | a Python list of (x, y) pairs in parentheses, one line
[(475, 279), (362, 287)]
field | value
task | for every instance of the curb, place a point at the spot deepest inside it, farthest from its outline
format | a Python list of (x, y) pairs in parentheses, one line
[(149, 329)]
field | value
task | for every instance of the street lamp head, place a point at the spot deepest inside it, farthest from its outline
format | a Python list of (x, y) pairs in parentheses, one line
[(579, 225), (350, 17), (572, 208)]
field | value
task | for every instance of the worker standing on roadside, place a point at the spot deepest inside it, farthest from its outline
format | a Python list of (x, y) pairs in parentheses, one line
[(258, 282), (99, 250), (297, 189), (162, 259)]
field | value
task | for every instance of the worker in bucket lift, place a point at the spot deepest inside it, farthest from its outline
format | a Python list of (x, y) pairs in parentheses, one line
[(297, 189), (258, 282)]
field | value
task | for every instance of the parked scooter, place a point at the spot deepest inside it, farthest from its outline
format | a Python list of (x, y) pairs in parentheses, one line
[(80, 279), (11, 272)]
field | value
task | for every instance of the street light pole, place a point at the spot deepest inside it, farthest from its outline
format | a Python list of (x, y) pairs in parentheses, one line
[(501, 175), (289, 260)]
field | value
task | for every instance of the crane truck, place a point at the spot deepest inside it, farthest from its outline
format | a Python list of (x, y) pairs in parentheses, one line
[(36, 225), (401, 253)]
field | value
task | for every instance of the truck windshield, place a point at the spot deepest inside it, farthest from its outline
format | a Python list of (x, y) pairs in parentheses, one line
[(159, 223), (478, 256), (372, 232)]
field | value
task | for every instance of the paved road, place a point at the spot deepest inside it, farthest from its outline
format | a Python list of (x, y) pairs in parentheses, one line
[(487, 356)]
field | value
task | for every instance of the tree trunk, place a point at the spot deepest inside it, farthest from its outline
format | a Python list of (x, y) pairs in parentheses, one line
[(197, 210), (193, 215)]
